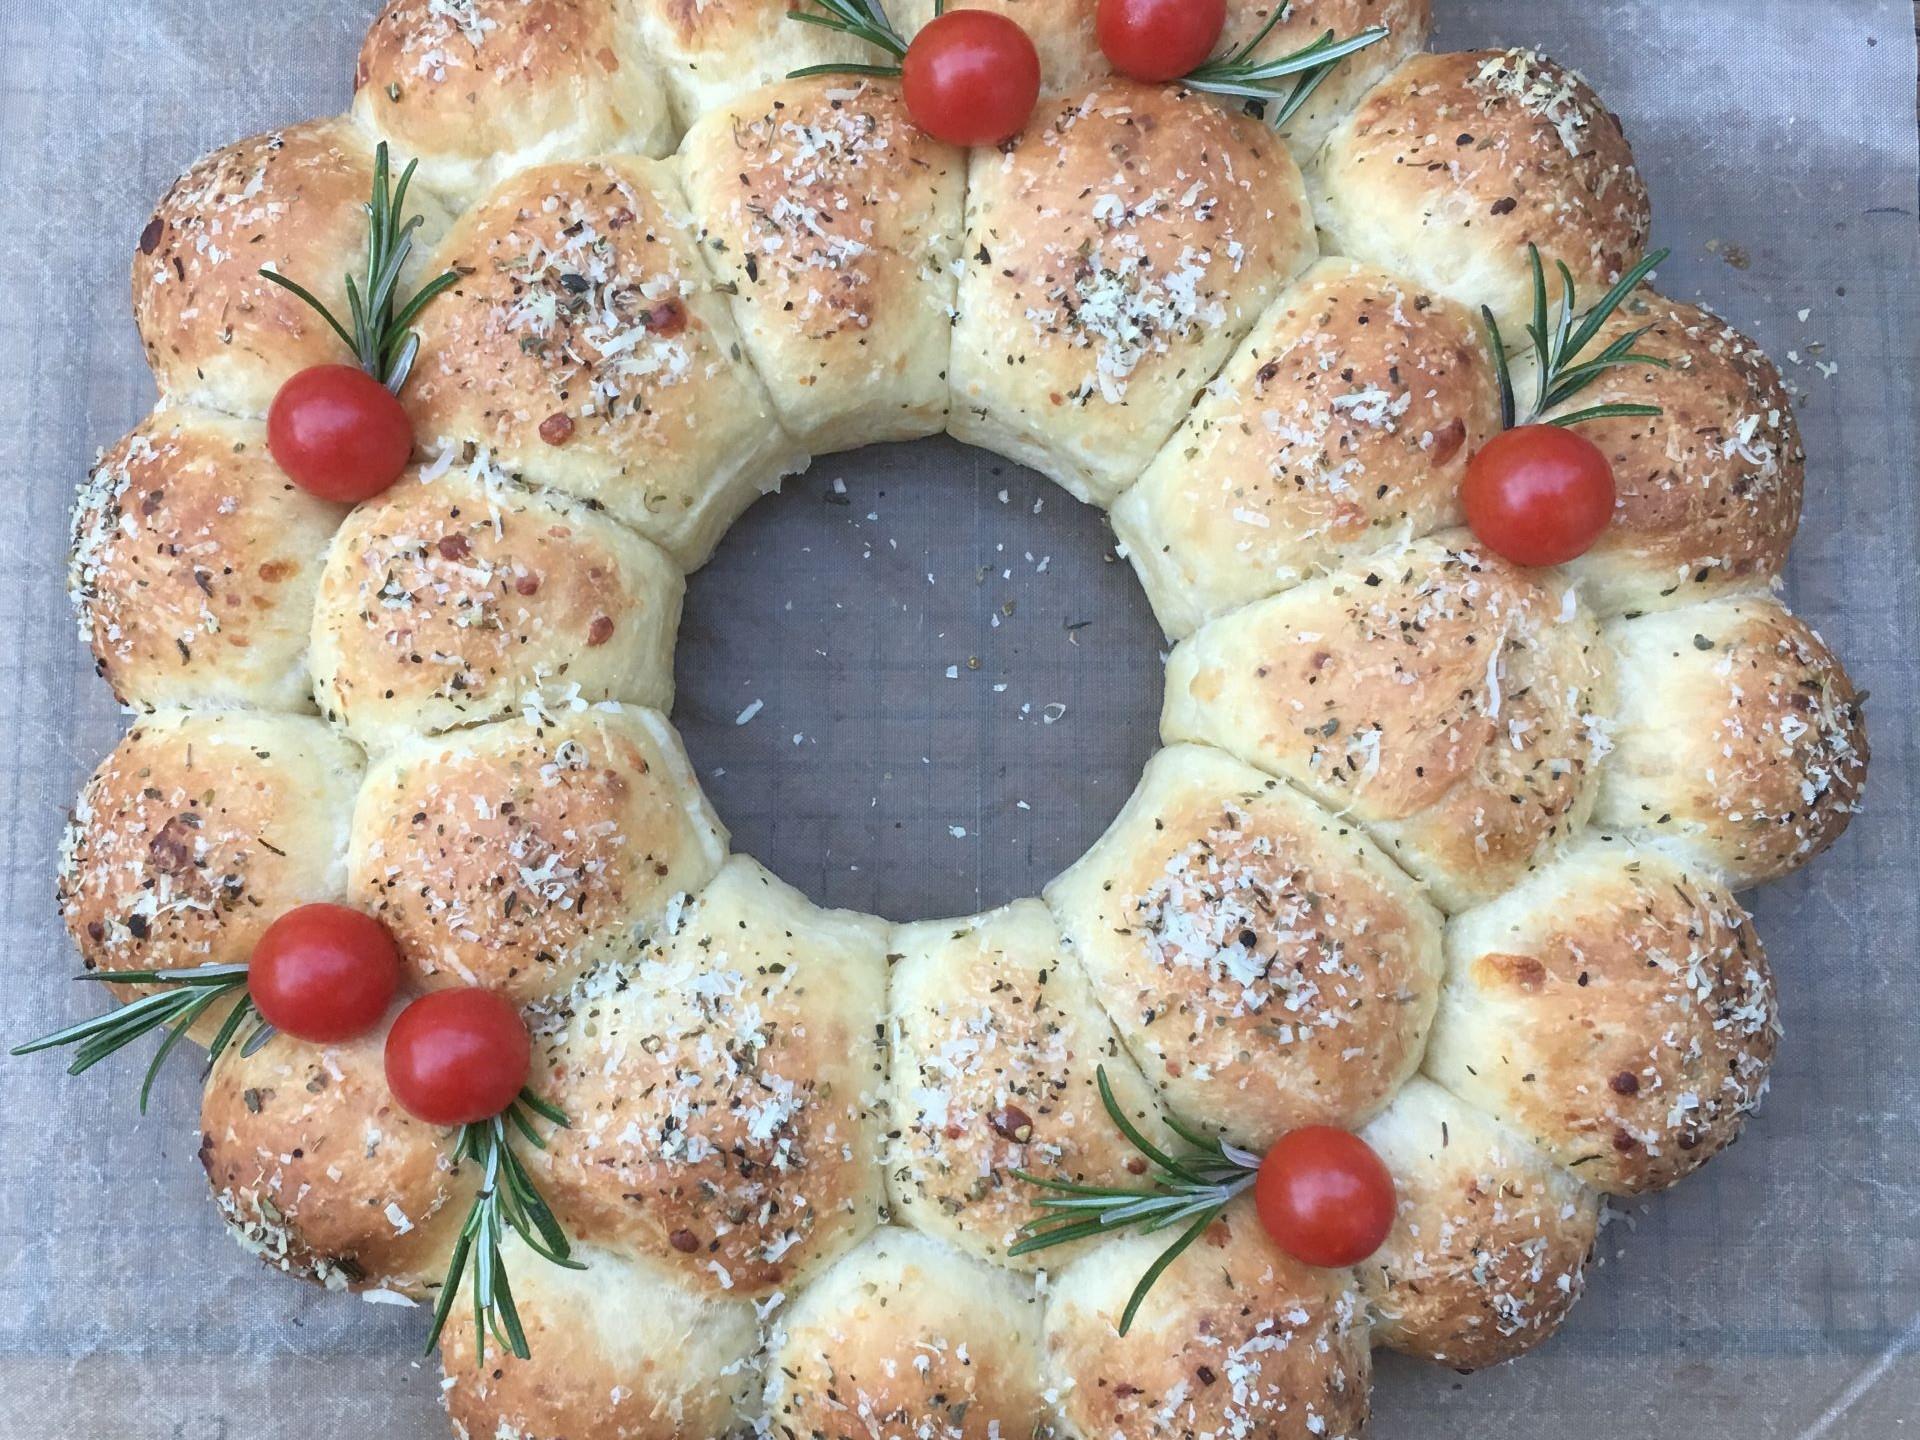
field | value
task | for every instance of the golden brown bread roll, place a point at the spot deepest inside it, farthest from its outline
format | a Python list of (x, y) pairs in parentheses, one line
[(482, 88), (1265, 963), (1615, 1008), (834, 222), (1345, 421), (464, 597), (518, 855), (1739, 742), (194, 566), (585, 348), (1116, 252), (1453, 163), (713, 51), (216, 332), (1451, 703), (724, 1090)]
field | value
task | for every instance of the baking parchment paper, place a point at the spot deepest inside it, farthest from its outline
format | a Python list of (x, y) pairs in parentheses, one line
[(958, 685)]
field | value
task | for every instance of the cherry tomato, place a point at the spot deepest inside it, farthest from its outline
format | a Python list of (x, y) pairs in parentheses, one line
[(971, 77), (1159, 39), (323, 973), (457, 1056), (1324, 1197), (1538, 494), (339, 433)]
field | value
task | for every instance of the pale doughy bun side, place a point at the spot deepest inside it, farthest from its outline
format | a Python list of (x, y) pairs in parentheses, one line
[(996, 1038), (1116, 253), (1739, 741), (726, 1090), (194, 566), (834, 223), (321, 1173), (216, 332), (619, 1351), (1234, 1339), (1344, 422), (482, 88), (1265, 962), (465, 597), (586, 349), (1490, 1243), (1453, 163), (907, 1337), (1616, 1009), (521, 854), (710, 52)]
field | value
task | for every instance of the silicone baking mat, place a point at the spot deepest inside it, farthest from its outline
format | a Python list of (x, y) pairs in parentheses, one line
[(956, 685)]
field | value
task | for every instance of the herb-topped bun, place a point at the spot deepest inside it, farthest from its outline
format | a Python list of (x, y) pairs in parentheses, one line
[(1263, 960), (834, 222), (519, 855), (1116, 253), (584, 346), (217, 332), (1453, 163), (194, 566), (461, 596), (1344, 423), (481, 89)]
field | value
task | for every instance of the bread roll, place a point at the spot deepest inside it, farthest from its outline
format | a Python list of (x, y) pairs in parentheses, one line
[(585, 349), (1345, 421), (1441, 697), (469, 597), (1739, 741), (478, 89), (1115, 255), (619, 1351), (1490, 1242), (321, 1173), (1616, 1008), (198, 831), (1264, 962), (907, 1338), (1709, 490), (194, 566), (712, 51), (996, 1037), (1234, 1339), (1453, 163), (521, 854), (724, 1090), (834, 222), (216, 332)]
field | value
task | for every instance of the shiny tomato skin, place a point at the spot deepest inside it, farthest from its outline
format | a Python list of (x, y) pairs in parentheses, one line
[(1324, 1197), (971, 77), (339, 433), (458, 1056), (1159, 39), (323, 973), (1539, 494)]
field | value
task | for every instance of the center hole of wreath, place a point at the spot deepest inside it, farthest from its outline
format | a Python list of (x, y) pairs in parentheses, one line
[(918, 682)]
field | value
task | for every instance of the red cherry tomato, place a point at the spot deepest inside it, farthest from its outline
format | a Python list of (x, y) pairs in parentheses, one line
[(324, 973), (1539, 494), (971, 78), (456, 1056), (1159, 39), (339, 433), (1324, 1197)]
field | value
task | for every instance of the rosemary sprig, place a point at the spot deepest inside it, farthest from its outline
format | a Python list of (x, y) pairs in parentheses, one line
[(1189, 1190), (507, 1201), (175, 1011), (1562, 373), (382, 337), (1241, 76), (862, 19)]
